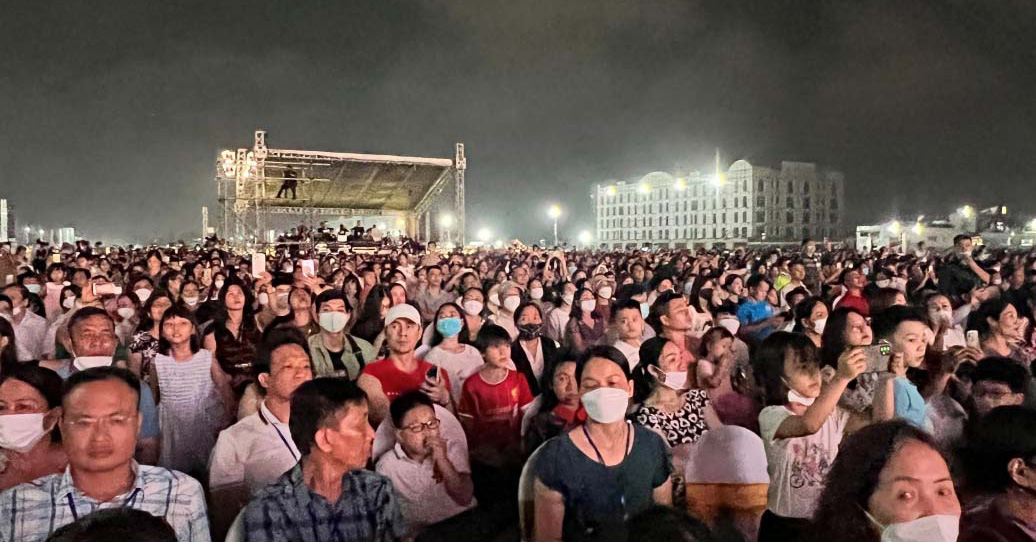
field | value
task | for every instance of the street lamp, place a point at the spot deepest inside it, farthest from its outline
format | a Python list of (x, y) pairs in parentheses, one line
[(585, 238), (554, 211)]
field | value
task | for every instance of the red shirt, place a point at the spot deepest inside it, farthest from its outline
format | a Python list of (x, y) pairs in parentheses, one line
[(492, 412), (395, 382)]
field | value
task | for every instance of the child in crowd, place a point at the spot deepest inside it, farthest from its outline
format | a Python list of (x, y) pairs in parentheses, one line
[(490, 410)]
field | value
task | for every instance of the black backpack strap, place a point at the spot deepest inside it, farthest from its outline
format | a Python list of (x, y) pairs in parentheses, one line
[(356, 350)]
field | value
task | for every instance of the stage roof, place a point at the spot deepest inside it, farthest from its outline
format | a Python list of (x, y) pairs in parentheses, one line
[(353, 181)]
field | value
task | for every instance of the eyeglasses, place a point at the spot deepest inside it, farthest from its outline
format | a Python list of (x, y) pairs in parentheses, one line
[(420, 427)]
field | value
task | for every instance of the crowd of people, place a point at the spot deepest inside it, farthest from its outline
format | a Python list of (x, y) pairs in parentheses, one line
[(809, 393)]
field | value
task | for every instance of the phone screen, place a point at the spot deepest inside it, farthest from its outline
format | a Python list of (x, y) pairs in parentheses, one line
[(309, 268), (258, 264), (877, 357)]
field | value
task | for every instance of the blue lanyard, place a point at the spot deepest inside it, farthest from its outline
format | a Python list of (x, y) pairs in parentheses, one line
[(619, 479), (72, 504), (285, 441)]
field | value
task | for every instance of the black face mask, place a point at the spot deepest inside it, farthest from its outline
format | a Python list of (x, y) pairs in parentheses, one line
[(528, 332)]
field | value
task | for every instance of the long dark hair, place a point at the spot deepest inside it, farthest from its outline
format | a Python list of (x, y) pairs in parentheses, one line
[(178, 310), (643, 381), (370, 323), (768, 363), (248, 323), (9, 357), (577, 310), (146, 322), (854, 477), (549, 399), (832, 342)]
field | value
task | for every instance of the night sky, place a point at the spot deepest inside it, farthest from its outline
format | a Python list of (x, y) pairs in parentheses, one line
[(111, 119)]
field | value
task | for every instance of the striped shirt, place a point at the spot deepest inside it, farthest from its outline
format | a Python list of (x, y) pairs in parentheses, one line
[(30, 512), (288, 511)]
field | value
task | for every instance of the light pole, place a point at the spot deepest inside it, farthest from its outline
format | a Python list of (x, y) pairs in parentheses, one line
[(28, 231), (554, 211)]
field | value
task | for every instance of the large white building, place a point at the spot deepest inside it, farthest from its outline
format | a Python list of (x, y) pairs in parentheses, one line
[(5, 220), (745, 204)]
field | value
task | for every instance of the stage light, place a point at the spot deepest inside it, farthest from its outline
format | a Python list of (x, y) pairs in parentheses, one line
[(446, 221), (967, 211), (585, 238), (554, 211), (895, 227), (918, 229), (228, 163), (483, 234)]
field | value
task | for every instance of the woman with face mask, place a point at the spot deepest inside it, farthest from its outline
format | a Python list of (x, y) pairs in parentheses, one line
[(589, 481), (667, 407), (459, 360), (510, 296), (532, 351), (889, 484), (127, 306), (811, 318), (557, 318), (472, 304), (30, 447), (585, 325)]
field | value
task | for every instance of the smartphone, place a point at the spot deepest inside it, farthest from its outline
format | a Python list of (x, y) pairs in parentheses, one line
[(55, 258), (877, 357), (433, 373), (258, 264), (106, 288), (206, 274), (309, 268), (971, 338)]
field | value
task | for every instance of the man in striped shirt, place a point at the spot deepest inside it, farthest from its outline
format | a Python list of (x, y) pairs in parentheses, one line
[(100, 424)]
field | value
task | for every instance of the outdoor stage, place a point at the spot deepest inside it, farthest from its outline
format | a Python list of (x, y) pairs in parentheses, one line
[(421, 198)]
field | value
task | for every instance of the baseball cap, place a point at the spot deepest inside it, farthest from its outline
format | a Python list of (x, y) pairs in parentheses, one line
[(402, 310)]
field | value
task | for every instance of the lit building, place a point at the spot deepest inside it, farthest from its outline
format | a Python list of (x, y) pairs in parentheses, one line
[(746, 204), (66, 235), (6, 222)]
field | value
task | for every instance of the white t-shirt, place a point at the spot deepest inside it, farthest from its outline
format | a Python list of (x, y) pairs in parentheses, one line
[(631, 352), (798, 466), (457, 366), (424, 501)]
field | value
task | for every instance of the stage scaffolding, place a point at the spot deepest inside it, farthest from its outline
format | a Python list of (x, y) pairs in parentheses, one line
[(422, 198)]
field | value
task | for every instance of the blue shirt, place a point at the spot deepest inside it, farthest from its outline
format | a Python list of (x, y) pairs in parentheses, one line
[(146, 403), (909, 404), (288, 511), (751, 312)]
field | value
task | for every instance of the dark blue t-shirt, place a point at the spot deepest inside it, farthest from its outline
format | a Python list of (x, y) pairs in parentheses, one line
[(597, 498)]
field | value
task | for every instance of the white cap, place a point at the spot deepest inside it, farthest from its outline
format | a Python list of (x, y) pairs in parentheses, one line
[(402, 310)]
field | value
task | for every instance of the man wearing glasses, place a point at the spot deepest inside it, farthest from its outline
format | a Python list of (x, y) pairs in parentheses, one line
[(431, 475), (100, 424)]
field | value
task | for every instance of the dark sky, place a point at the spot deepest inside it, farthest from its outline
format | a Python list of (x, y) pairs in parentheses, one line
[(110, 119)]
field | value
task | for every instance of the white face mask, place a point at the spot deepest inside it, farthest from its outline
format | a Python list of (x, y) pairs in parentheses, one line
[(472, 307), (605, 292), (125, 313), (945, 316), (143, 294), (938, 528), (819, 325), (20, 432), (676, 380), (333, 322), (264, 298), (219, 284), (89, 362), (282, 299), (511, 303), (588, 305), (883, 283), (494, 299), (33, 288), (16, 311), (68, 302), (190, 300), (732, 324), (795, 397), (568, 299), (606, 405), (536, 293)]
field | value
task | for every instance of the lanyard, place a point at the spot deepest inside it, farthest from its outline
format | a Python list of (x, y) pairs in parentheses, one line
[(72, 504), (285, 441), (625, 453)]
